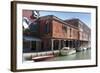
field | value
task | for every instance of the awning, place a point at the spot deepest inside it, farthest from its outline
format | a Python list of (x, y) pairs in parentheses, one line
[(28, 38)]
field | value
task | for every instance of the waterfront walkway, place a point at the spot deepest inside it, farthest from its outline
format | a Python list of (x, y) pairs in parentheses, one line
[(83, 55)]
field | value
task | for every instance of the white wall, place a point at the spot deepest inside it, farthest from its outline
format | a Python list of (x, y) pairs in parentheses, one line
[(5, 37)]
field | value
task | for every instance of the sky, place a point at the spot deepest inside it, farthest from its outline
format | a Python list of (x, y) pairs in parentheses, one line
[(84, 17)]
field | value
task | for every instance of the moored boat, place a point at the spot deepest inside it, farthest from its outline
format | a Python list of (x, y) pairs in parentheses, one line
[(67, 51), (42, 58)]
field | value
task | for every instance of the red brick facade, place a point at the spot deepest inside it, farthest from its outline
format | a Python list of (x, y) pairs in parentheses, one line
[(52, 28)]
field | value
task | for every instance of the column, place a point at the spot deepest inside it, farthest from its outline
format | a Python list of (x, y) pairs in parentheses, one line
[(52, 46), (72, 44), (59, 47), (79, 41), (68, 44), (59, 44), (75, 42), (40, 45), (63, 43), (30, 43), (37, 48)]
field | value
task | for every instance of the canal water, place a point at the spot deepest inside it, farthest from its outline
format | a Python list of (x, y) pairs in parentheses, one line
[(83, 55)]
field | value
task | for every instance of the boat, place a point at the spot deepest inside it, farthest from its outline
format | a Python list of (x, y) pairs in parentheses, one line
[(67, 51), (81, 49), (42, 58)]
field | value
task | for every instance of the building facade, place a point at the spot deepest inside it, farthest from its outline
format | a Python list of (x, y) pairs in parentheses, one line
[(49, 33)]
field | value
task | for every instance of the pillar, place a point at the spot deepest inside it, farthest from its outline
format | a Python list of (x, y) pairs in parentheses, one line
[(63, 43), (59, 47), (68, 44), (59, 44), (52, 45), (37, 47), (30, 43)]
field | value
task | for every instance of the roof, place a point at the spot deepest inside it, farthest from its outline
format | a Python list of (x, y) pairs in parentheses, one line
[(57, 19), (73, 22)]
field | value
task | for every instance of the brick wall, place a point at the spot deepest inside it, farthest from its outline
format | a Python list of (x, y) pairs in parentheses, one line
[(63, 31)]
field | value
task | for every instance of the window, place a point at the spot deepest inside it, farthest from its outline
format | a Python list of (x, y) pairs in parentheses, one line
[(64, 28), (47, 28)]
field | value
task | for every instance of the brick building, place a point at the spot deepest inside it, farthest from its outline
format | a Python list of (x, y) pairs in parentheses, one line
[(49, 33)]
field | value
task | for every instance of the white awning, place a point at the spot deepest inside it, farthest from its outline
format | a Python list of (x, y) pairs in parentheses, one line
[(28, 38)]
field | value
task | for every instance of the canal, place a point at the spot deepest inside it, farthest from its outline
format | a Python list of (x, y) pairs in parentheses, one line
[(83, 55)]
